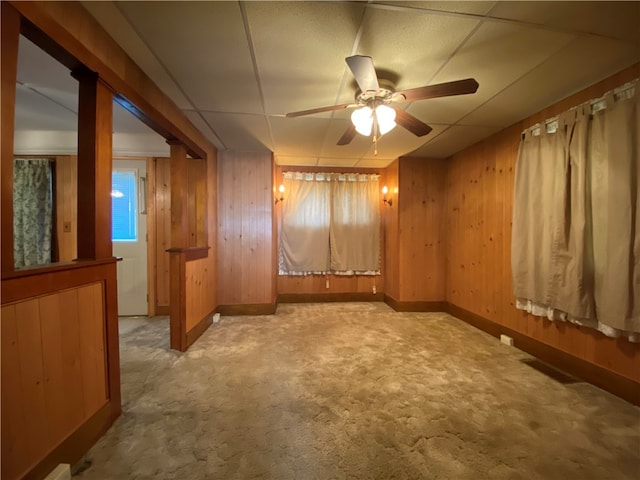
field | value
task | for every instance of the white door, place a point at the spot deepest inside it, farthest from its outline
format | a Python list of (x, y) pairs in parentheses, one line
[(129, 234)]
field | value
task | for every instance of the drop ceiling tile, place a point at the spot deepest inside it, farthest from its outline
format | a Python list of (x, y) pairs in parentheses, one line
[(584, 62), (35, 112), (300, 49), (613, 19), (39, 70), (204, 47), (496, 55), (475, 8), (298, 136), (411, 46), (355, 149), (112, 20), (453, 140), (295, 160), (204, 128), (337, 162), (399, 142), (240, 132), (374, 162), (125, 122)]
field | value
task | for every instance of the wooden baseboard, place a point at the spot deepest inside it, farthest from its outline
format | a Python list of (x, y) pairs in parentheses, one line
[(414, 306), (75, 445), (330, 297), (248, 309), (199, 328), (607, 380)]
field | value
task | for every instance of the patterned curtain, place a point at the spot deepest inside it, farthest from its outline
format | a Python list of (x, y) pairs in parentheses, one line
[(32, 211)]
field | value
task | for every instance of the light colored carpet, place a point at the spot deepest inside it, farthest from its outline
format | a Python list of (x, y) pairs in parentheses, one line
[(354, 391)]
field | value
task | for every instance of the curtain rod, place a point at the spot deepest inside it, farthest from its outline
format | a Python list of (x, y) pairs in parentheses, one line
[(595, 103)]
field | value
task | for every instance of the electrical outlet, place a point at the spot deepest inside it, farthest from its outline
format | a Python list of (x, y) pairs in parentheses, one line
[(216, 318), (374, 290), (326, 283), (507, 340)]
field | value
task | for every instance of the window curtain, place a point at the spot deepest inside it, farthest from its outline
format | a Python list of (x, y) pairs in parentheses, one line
[(355, 224), (32, 211), (330, 224), (304, 234), (575, 250)]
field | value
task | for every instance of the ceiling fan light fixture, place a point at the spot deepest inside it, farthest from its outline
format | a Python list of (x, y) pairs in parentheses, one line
[(362, 119), (386, 118)]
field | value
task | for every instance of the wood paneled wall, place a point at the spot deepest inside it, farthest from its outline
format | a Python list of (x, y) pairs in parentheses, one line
[(160, 234), (414, 232), (391, 231), (66, 167), (340, 287), (246, 266), (479, 208)]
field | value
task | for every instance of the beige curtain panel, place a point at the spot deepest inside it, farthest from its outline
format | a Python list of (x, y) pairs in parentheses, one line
[(575, 252), (330, 224), (304, 235), (355, 224)]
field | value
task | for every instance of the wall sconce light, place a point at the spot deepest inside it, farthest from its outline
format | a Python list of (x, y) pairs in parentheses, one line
[(385, 190), (281, 190)]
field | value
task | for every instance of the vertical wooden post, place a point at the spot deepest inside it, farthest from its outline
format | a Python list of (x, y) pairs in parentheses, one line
[(179, 241), (179, 196), (95, 126), (10, 32)]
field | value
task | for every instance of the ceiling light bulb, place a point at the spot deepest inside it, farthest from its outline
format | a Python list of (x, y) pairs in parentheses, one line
[(386, 118), (362, 119)]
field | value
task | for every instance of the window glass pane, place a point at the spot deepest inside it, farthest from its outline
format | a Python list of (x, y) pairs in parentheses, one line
[(124, 206)]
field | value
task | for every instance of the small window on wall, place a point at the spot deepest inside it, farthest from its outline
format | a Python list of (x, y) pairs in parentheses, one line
[(124, 206)]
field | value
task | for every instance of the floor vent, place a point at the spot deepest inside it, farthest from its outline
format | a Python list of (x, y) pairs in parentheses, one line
[(550, 372)]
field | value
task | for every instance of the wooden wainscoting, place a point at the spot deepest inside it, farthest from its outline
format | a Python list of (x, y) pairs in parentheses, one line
[(60, 364)]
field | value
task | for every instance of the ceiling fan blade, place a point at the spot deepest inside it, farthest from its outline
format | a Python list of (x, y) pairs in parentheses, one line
[(348, 135), (458, 87), (364, 72), (319, 110), (411, 123)]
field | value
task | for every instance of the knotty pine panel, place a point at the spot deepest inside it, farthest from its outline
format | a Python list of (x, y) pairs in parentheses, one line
[(391, 233), (479, 209), (53, 372), (420, 229), (200, 288), (66, 167), (245, 229), (162, 241)]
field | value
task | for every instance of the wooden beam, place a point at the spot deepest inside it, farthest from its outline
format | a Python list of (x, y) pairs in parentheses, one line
[(95, 126), (10, 31)]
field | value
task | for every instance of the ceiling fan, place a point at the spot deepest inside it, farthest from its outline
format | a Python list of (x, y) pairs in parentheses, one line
[(376, 101)]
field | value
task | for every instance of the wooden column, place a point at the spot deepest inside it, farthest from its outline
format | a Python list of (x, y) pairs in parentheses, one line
[(10, 32), (179, 196), (179, 242), (95, 126)]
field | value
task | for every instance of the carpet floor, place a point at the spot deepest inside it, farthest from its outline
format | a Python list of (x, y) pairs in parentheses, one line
[(354, 391)]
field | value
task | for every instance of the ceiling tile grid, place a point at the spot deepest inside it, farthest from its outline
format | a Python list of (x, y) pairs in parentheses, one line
[(236, 68)]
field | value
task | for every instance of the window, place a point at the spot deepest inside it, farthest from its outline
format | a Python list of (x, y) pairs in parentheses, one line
[(330, 224), (124, 206)]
